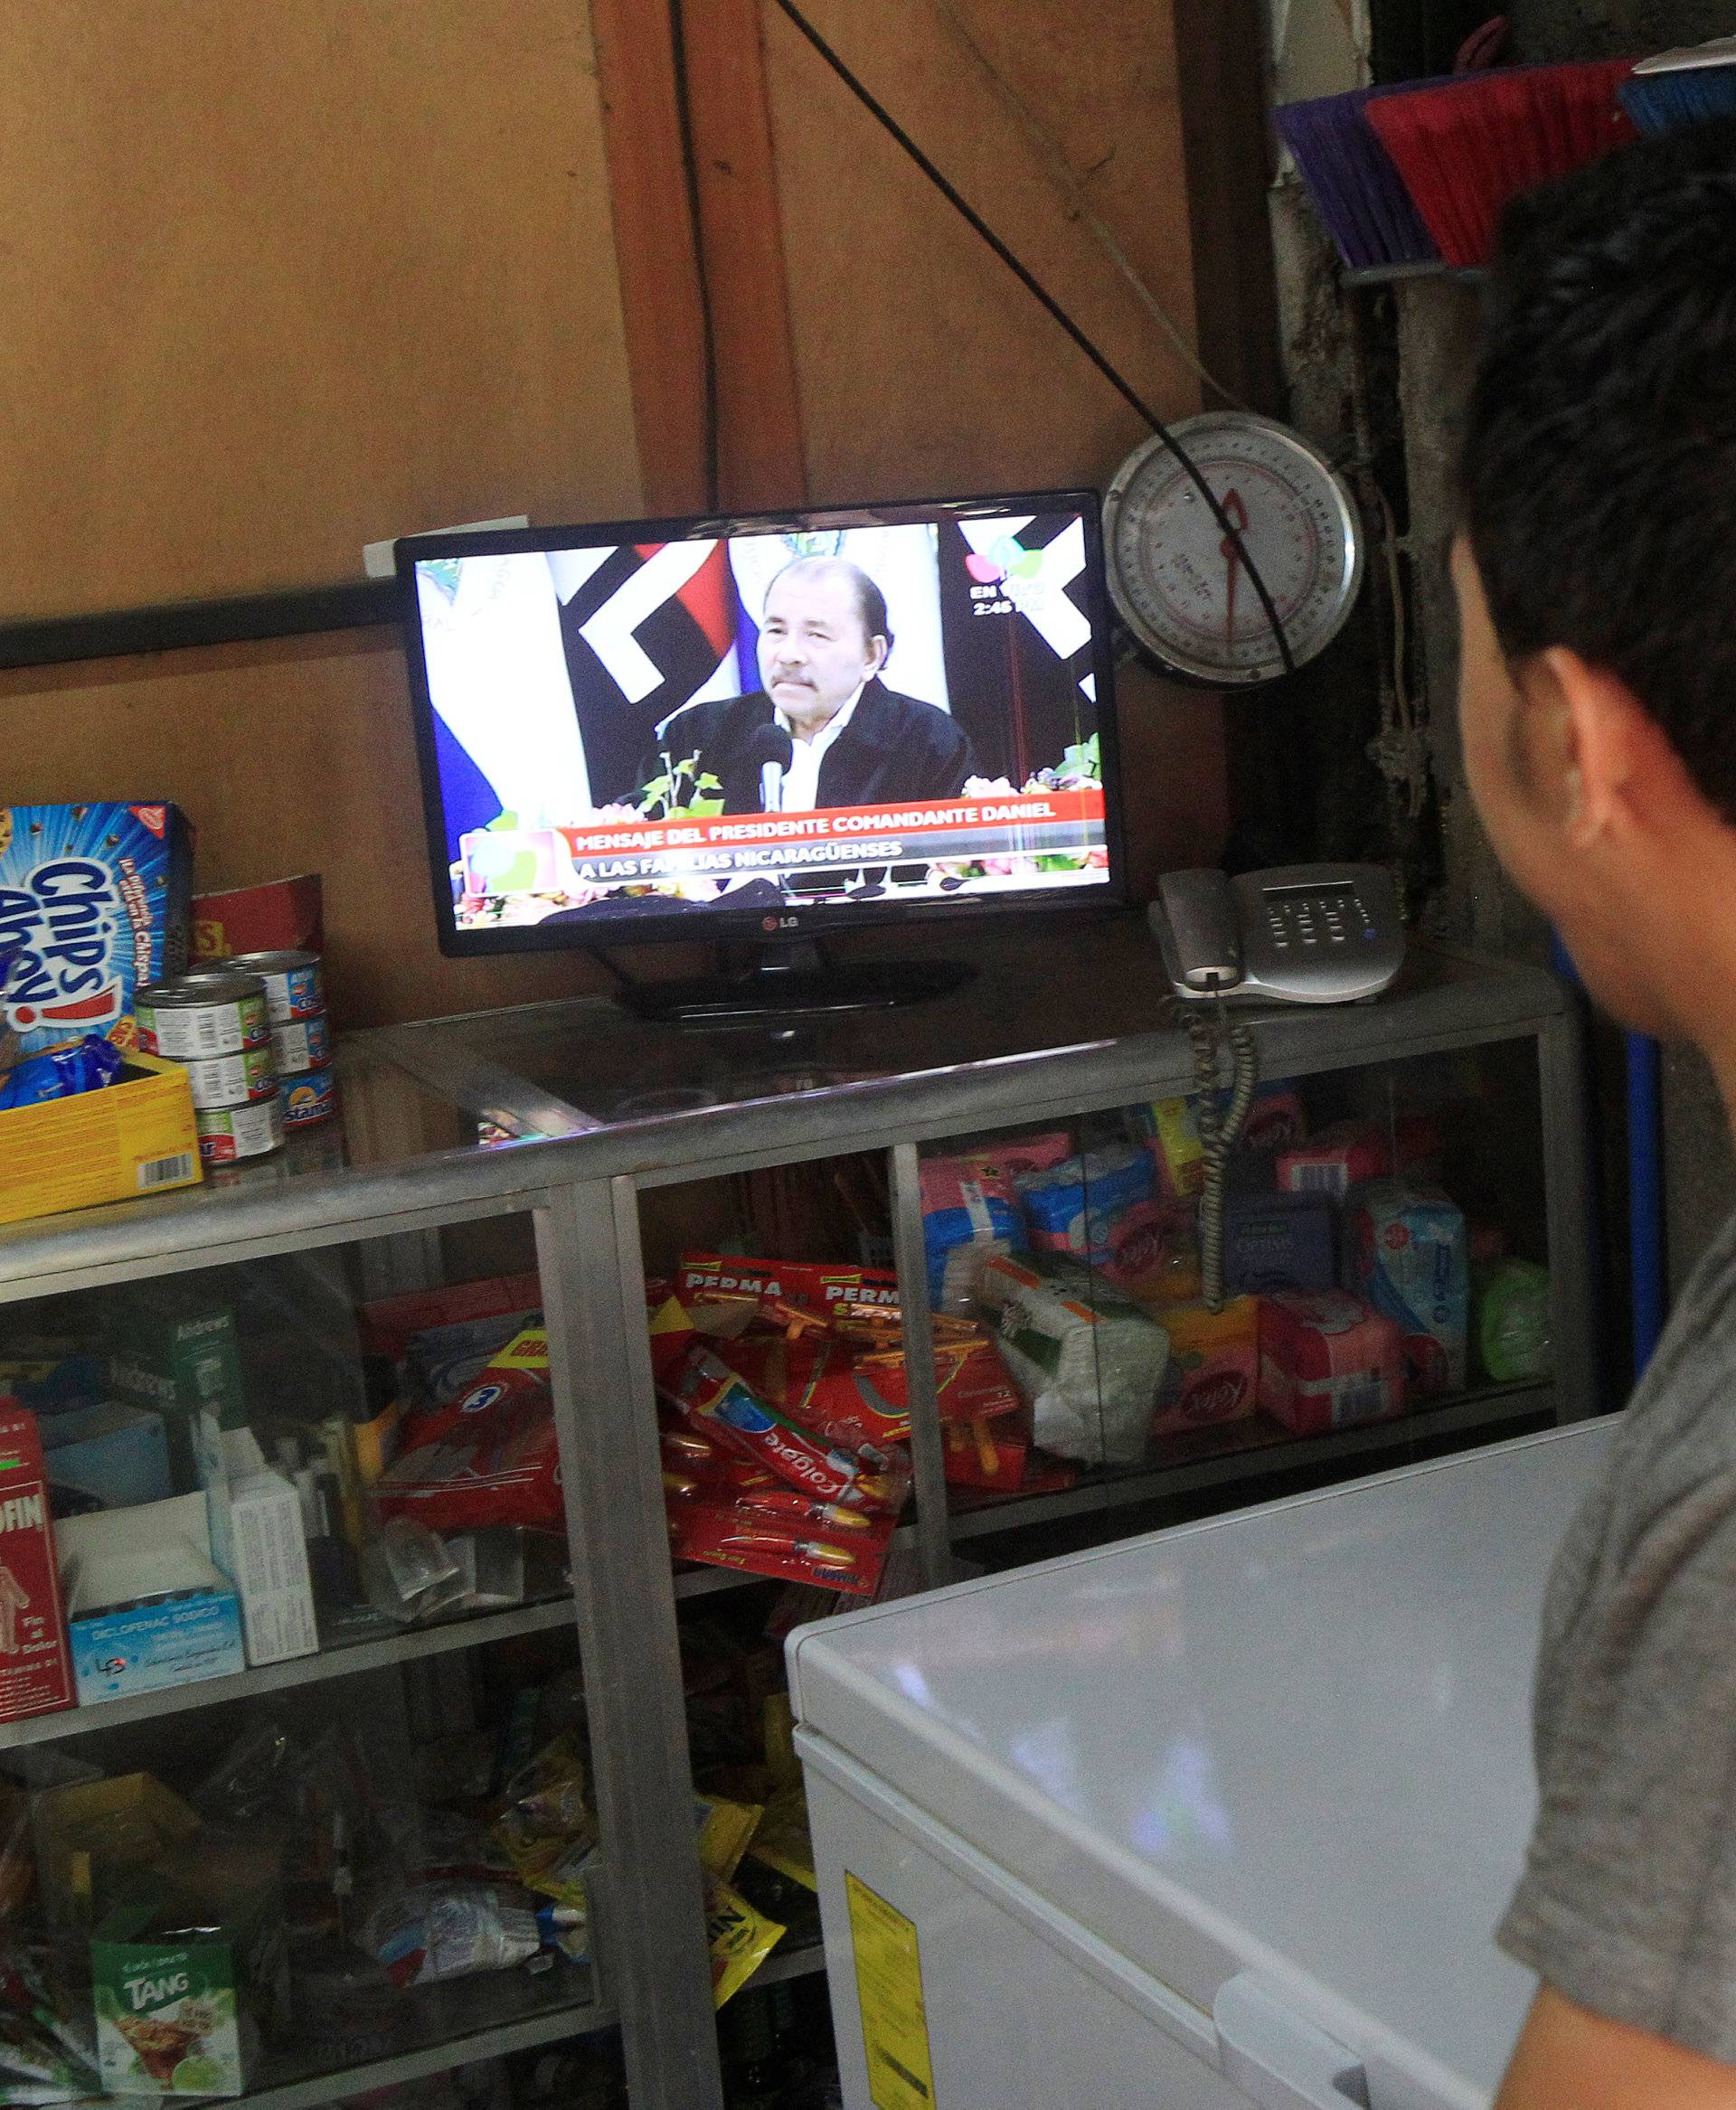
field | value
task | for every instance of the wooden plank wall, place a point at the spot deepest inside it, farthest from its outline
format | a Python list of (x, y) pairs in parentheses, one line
[(281, 281)]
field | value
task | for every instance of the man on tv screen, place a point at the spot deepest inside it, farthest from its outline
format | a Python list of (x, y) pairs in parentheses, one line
[(824, 731)]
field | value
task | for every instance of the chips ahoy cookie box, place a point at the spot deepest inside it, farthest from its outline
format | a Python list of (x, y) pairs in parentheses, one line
[(94, 900)]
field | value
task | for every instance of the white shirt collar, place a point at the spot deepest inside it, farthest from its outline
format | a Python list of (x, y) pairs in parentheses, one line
[(800, 791), (833, 727)]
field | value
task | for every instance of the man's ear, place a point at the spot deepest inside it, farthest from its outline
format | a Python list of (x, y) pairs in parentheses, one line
[(1586, 739), (878, 648)]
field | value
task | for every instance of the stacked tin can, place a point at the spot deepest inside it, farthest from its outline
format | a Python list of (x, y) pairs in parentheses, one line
[(217, 1026), (301, 1034)]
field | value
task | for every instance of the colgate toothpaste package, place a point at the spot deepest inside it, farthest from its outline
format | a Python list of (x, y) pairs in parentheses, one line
[(1326, 1361), (712, 1397), (1336, 1159), (856, 1398), (1408, 1257), (1214, 1370), (94, 902)]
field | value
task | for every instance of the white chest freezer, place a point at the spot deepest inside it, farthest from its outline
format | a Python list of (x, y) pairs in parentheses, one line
[(1219, 1817)]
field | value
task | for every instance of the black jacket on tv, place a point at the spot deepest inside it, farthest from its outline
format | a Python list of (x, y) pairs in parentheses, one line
[(895, 750)]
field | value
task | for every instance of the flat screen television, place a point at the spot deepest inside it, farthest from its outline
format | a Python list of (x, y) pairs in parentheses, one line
[(762, 729)]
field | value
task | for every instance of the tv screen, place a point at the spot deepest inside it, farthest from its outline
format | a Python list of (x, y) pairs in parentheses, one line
[(772, 722)]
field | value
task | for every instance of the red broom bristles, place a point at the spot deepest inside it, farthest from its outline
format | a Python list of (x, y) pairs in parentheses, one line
[(1465, 149)]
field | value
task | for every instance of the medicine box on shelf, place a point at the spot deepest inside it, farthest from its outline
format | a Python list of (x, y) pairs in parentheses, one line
[(144, 1605)]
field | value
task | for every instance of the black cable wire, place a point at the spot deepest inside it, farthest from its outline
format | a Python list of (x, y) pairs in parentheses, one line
[(967, 211), (689, 171)]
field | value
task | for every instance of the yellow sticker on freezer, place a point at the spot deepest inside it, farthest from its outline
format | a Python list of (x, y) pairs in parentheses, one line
[(889, 1991)]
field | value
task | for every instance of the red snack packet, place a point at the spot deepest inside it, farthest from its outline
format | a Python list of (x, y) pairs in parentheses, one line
[(759, 1543), (389, 1323), (491, 1458)]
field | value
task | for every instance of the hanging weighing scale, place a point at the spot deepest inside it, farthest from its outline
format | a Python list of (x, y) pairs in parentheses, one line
[(1177, 579)]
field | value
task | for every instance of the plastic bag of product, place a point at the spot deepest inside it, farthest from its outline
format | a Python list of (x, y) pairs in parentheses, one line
[(61, 1074), (1090, 1360), (970, 1214), (491, 1457), (740, 1939), (422, 1932), (1511, 1307)]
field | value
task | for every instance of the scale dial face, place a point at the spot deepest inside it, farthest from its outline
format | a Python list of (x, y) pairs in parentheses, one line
[(1175, 576)]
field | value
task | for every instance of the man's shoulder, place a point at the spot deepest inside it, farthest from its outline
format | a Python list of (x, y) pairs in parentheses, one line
[(699, 723), (893, 712)]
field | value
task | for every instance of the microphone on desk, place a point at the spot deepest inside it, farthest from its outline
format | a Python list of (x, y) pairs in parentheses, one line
[(772, 749)]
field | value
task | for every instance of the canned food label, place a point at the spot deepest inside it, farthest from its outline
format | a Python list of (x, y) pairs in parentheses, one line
[(233, 1080), (292, 992), (239, 1132), (305, 1044), (193, 1032), (309, 1098), (294, 987)]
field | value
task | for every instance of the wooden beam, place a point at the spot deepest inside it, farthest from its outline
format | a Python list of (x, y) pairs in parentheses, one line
[(1227, 141), (760, 443), (760, 455), (654, 250)]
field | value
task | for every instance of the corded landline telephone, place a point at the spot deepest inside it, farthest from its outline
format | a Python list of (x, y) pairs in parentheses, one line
[(1298, 934)]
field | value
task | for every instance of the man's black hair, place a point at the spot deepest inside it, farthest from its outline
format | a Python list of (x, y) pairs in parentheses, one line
[(1599, 472), (871, 603)]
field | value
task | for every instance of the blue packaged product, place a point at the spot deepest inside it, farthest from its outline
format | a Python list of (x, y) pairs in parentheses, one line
[(94, 900), (62, 1074), (1278, 1241), (1100, 1207)]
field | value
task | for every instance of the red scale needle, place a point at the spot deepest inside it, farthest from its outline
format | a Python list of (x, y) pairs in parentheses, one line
[(1236, 513)]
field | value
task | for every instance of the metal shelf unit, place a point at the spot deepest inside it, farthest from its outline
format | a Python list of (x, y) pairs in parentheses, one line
[(538, 1113)]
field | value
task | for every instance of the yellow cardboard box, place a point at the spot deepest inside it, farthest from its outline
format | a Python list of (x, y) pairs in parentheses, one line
[(137, 1137)]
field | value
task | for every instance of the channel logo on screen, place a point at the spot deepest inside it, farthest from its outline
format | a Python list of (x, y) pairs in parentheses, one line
[(1005, 559)]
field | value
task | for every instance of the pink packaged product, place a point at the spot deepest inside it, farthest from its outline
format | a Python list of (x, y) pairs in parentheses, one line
[(1327, 1361), (1276, 1121), (1407, 1253), (1019, 1155), (971, 1212), (1336, 1159)]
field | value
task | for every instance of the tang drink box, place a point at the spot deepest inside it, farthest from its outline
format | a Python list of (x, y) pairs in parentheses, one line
[(95, 901)]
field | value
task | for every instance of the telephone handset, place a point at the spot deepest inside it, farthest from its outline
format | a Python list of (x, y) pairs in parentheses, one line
[(1297, 934)]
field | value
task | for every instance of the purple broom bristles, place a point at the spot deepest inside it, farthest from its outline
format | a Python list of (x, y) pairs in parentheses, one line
[(1357, 192)]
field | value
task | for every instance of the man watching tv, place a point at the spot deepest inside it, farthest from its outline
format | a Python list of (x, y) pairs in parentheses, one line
[(837, 734), (1596, 580)]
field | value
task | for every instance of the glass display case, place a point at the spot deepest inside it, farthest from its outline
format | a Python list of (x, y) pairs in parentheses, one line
[(429, 1500)]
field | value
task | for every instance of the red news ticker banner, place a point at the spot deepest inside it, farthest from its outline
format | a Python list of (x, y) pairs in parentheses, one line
[(984, 823)]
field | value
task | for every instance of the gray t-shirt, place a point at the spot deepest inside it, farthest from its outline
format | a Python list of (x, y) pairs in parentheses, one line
[(1627, 1906)]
